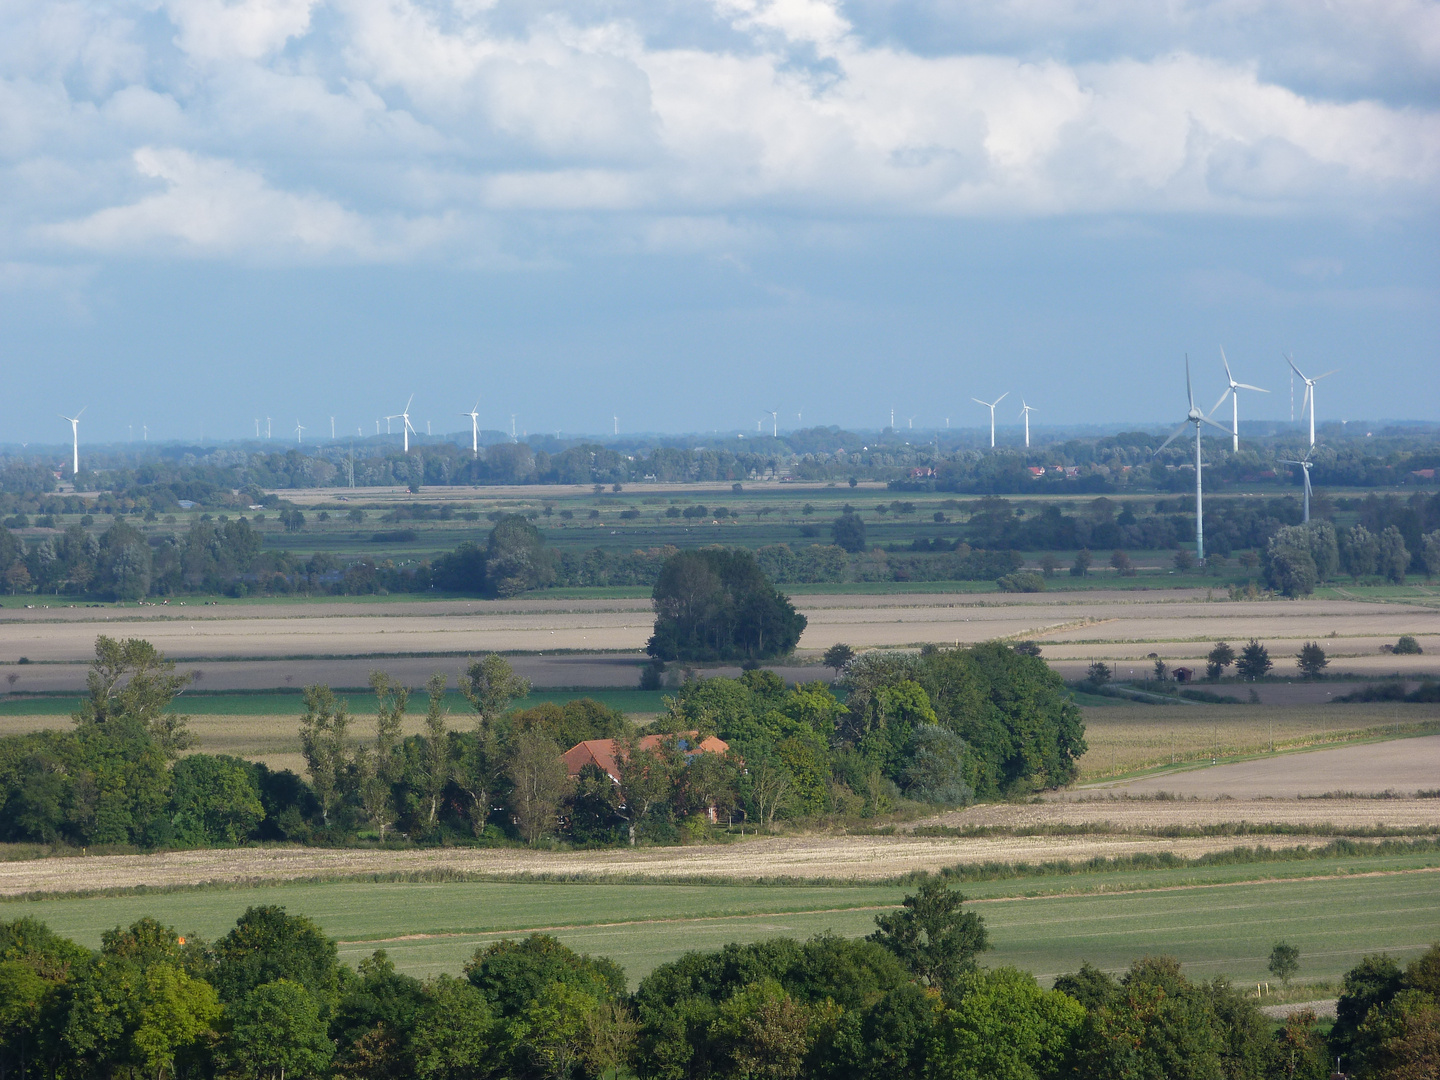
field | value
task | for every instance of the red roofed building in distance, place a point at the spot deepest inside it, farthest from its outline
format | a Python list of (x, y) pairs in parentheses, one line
[(606, 752)]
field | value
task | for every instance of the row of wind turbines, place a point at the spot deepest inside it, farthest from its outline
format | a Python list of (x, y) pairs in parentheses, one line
[(1198, 418)]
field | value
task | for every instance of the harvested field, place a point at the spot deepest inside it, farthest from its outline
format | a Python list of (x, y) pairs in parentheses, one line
[(1126, 738), (1401, 765), (1142, 815), (810, 858), (309, 642)]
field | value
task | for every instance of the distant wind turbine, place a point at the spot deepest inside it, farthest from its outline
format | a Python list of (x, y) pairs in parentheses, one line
[(1304, 464), (1196, 417), (427, 427), (774, 422), (991, 406), (405, 427), (474, 415), (332, 429), (512, 428), (75, 433), (1025, 411), (1309, 398), (267, 427), (257, 427), (1234, 402), (144, 432), (298, 429), (911, 423), (615, 420)]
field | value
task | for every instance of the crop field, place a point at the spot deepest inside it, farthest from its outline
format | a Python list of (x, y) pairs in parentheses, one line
[(1127, 738), (1216, 920)]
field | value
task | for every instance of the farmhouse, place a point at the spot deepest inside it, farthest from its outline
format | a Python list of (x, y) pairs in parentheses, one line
[(606, 753)]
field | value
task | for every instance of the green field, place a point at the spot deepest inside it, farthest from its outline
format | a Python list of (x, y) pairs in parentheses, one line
[(1215, 919)]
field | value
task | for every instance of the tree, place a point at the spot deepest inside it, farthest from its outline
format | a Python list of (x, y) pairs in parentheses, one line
[(1004, 1027), (1120, 561), (380, 768), (1311, 659), (515, 557), (176, 1012), (1049, 564), (1184, 560), (437, 749), (132, 682), (490, 685), (267, 944), (933, 936), (1254, 661), (277, 1033), (1218, 659), (717, 604), (454, 1032), (1083, 562), (837, 656), (323, 732), (1392, 558), (1098, 673), (848, 532), (936, 772), (539, 781), (215, 800), (769, 784), (1160, 670), (1407, 645), (1359, 551), (1284, 961), (762, 1033), (1430, 553)]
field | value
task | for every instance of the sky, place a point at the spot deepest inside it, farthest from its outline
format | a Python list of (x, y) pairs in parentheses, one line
[(675, 216)]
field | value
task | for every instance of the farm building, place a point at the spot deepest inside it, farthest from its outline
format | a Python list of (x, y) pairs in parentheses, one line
[(606, 753)]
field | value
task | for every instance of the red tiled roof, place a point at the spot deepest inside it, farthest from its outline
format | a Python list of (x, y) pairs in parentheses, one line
[(606, 752)]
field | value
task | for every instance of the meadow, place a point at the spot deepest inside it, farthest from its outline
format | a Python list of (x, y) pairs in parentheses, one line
[(1218, 920)]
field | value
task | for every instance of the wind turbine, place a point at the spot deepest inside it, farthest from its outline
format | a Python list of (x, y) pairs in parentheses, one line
[(1309, 397), (298, 429), (75, 433), (512, 428), (1234, 402), (405, 426), (474, 415), (1196, 417), (1025, 411), (257, 427), (332, 429), (991, 406), (1304, 464), (774, 421), (267, 427), (615, 420)]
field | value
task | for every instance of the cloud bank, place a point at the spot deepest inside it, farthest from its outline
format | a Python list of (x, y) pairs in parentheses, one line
[(395, 130)]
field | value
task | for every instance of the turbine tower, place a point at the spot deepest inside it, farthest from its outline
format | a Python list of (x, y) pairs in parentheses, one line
[(257, 427), (1304, 464), (774, 421), (332, 429), (267, 427), (1025, 411), (1196, 417), (1234, 403), (1309, 398), (75, 434), (991, 406), (299, 428), (474, 415), (405, 426)]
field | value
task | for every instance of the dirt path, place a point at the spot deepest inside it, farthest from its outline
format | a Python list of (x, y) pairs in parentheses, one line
[(802, 858)]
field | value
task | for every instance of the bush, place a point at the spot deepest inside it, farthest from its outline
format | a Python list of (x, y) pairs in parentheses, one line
[(1022, 581), (1408, 646)]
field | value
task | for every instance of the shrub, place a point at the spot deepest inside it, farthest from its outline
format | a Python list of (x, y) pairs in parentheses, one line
[(1408, 646), (1022, 581)]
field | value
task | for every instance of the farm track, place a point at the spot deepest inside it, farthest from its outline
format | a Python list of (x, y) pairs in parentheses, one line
[(812, 858), (1148, 815)]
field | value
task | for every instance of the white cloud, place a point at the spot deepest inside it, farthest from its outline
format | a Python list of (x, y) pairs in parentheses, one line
[(388, 114), (215, 207)]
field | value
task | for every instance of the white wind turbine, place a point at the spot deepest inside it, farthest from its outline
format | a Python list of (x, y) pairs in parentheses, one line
[(1025, 411), (474, 415), (75, 434), (405, 426), (1304, 464), (774, 415), (991, 406), (299, 429), (332, 429), (1309, 398), (1234, 402), (267, 427), (1196, 417)]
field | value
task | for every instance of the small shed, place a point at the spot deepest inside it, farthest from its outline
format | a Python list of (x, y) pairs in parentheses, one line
[(1182, 674)]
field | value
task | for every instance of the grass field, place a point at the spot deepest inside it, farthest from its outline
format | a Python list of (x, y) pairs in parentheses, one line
[(1217, 920)]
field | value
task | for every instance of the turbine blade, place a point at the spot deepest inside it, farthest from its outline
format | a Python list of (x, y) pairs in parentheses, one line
[(1305, 401), (1294, 368), (81, 412), (1307, 480), (409, 403), (1247, 386), (1227, 366), (1002, 397), (1217, 427), (1188, 391), (979, 402), (1174, 435), (1223, 396), (1319, 377)]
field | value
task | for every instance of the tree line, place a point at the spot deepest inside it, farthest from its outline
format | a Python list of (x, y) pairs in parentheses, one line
[(947, 726), (271, 1000)]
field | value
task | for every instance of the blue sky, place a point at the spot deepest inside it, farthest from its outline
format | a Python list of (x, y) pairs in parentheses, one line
[(685, 213)]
